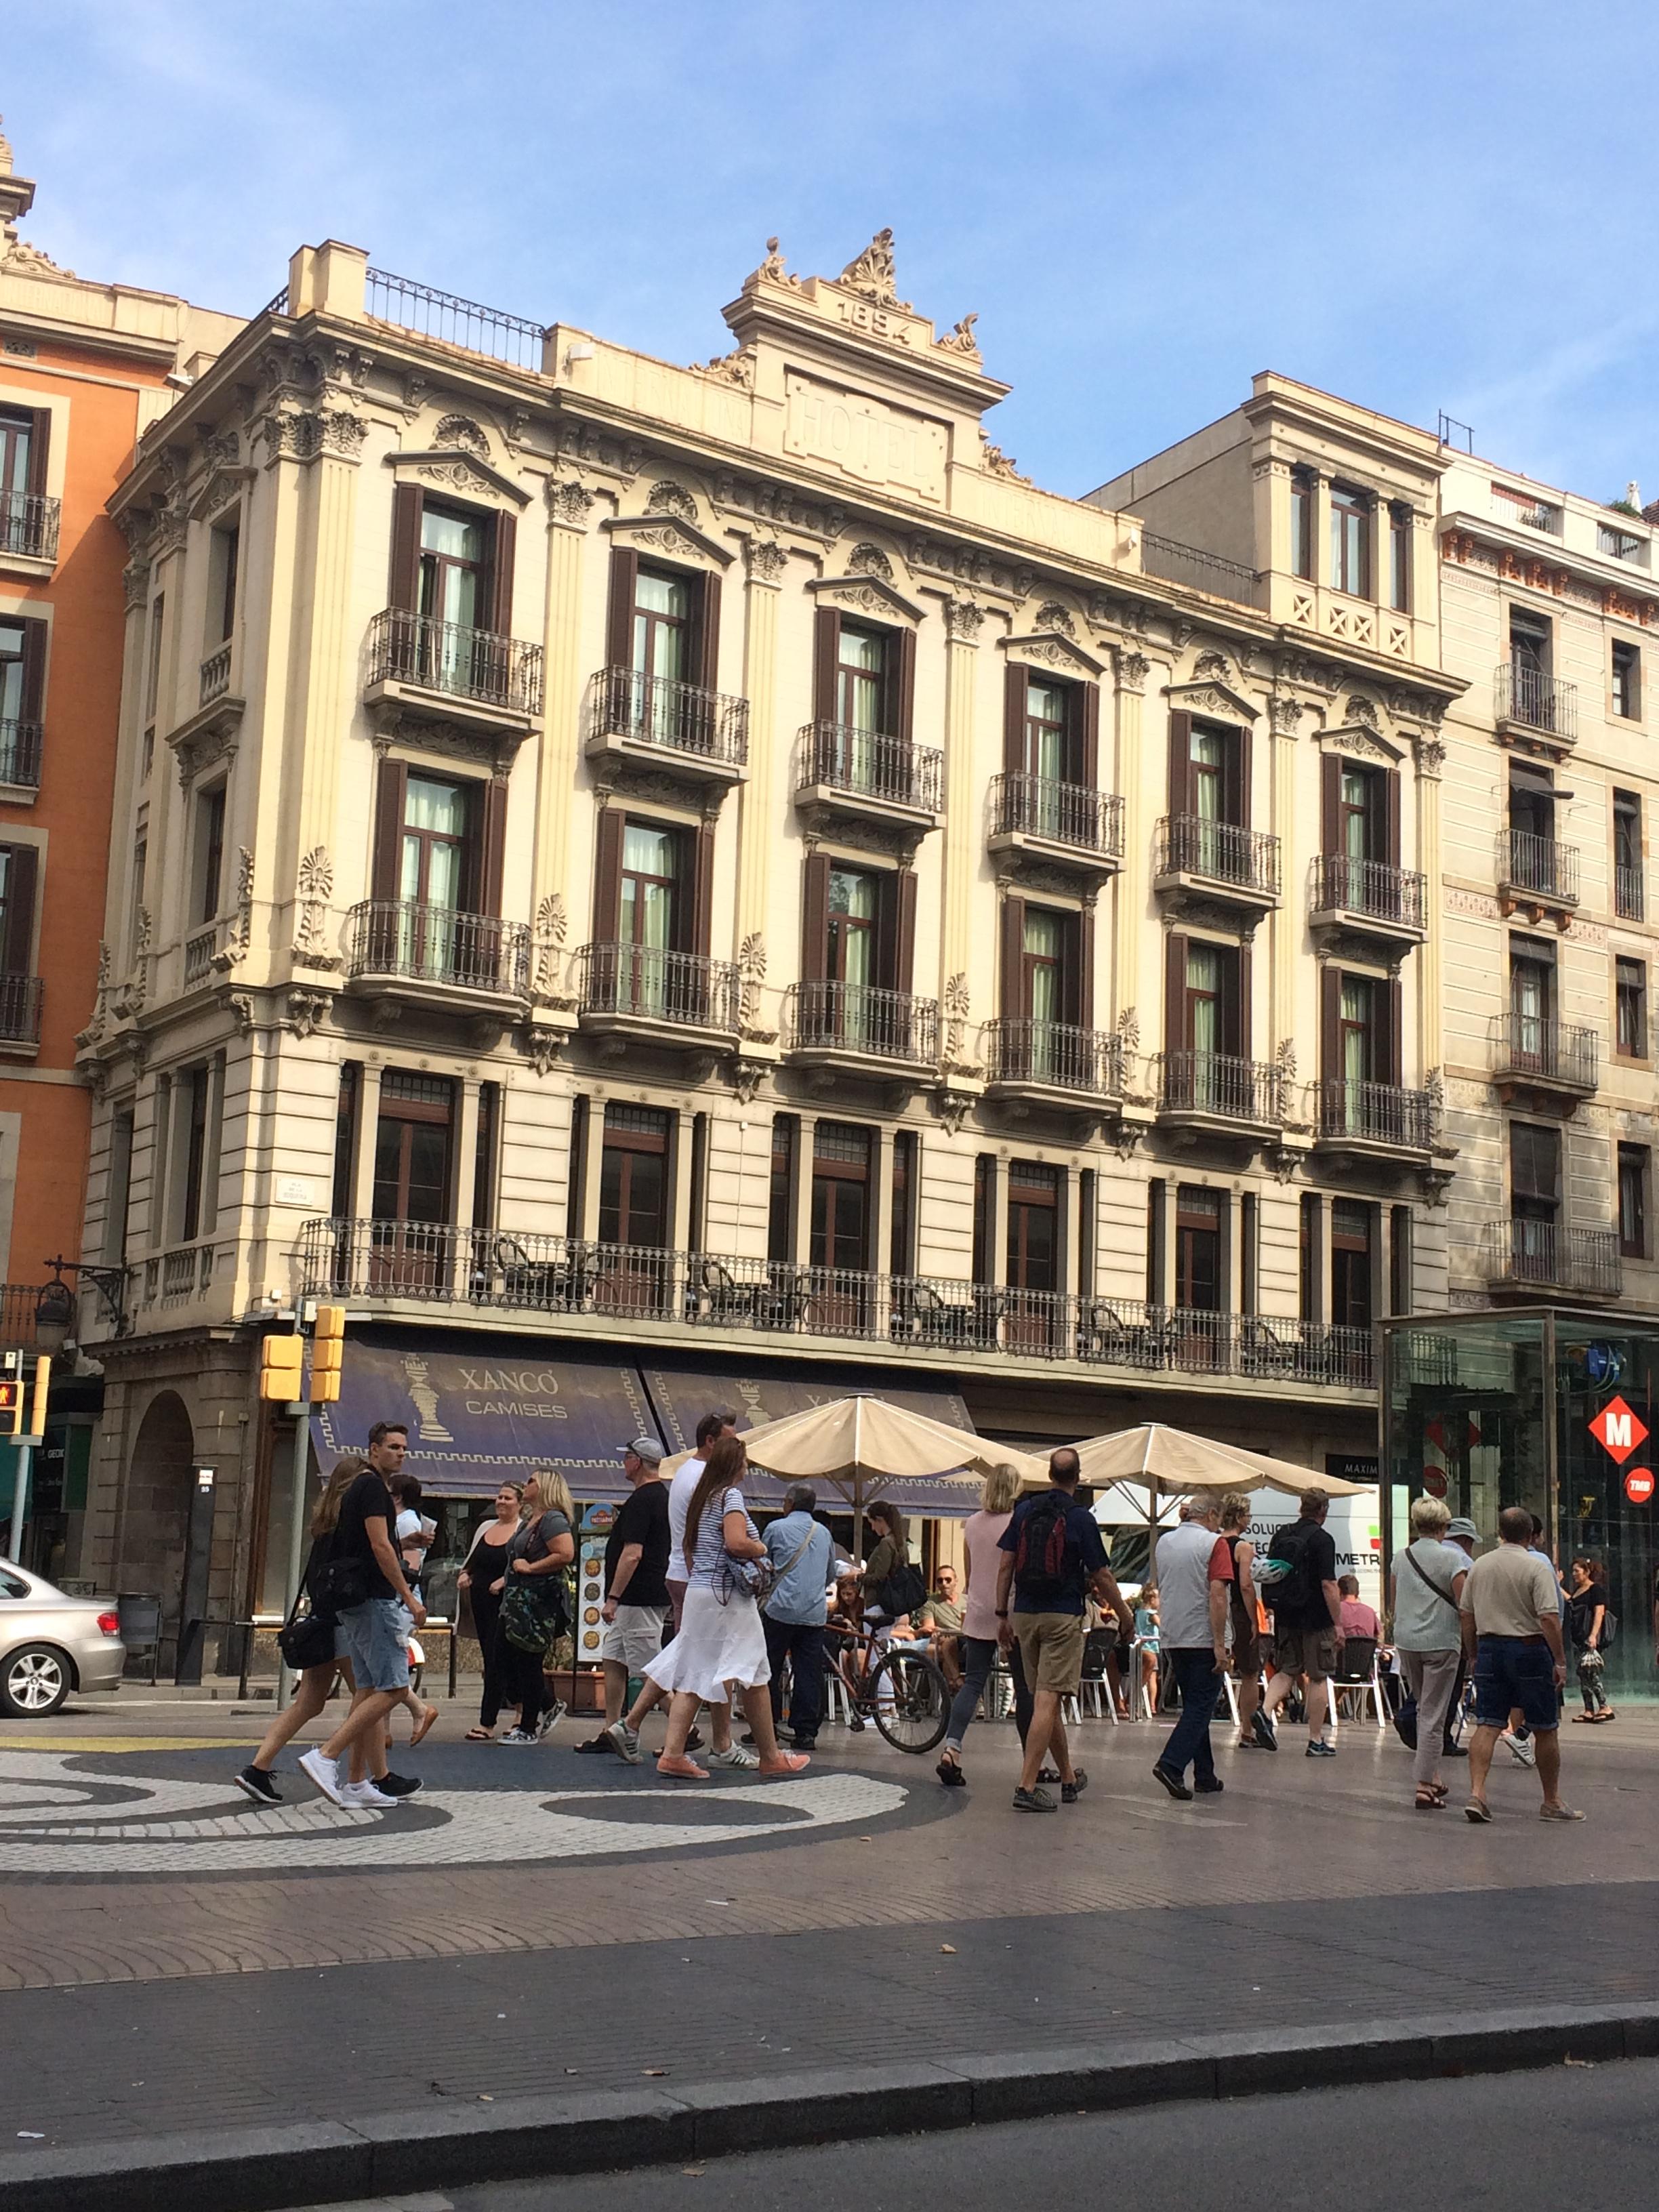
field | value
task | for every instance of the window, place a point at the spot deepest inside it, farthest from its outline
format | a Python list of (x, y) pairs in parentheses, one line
[(453, 564), (23, 524), (1619, 544), (1206, 1026), (1351, 1227), (483, 1155), (1627, 680), (412, 1147), (651, 886), (1400, 559), (1033, 1255), (1362, 814), (118, 1189), (1087, 1217), (1199, 1286), (1532, 820), (985, 1183), (1357, 1051), (140, 869), (861, 680), (1203, 1007), (634, 1177), (152, 661), (22, 684), (1531, 657), (1633, 1169), (1209, 798), (1628, 886), (662, 623), (18, 471), (1051, 737), (852, 945), (18, 875), (1308, 1256), (223, 550), (196, 1088), (1532, 1006), (781, 1189), (1630, 1004), (210, 852), (1302, 522), (1351, 542), (1534, 1172), (1158, 1214), (432, 855), (840, 1228)]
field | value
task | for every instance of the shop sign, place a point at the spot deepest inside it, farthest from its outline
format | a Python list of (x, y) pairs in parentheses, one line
[(1638, 1485)]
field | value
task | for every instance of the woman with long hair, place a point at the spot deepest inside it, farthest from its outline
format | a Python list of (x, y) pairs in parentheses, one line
[(315, 1684), (1587, 1613), (484, 1577), (981, 1535), (532, 1602), (722, 1645), (889, 1552)]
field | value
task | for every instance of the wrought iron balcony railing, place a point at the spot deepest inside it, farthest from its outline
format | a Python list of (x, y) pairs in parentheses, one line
[(1371, 888), (1053, 1053), (418, 944), (20, 1009), (1538, 865), (1376, 1113), (20, 755), (866, 764), (1526, 694), (677, 717), (861, 1017), (1544, 1255), (1224, 852), (29, 525), (462, 664), (686, 989), (1205, 572), (1629, 893), (1541, 1049), (1219, 1084), (451, 321), (1072, 814)]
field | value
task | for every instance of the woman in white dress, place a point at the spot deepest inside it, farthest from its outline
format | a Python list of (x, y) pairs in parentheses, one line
[(721, 1645)]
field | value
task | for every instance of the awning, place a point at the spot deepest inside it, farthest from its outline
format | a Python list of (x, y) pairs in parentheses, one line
[(681, 1394), (484, 1408)]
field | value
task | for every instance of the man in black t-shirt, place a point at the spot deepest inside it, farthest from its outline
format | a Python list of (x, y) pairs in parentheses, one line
[(1307, 1610), (635, 1580)]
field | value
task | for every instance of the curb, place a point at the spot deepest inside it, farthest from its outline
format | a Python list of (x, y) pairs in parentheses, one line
[(523, 2138)]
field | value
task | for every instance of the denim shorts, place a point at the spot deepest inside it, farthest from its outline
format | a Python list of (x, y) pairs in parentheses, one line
[(1511, 1671), (374, 1636)]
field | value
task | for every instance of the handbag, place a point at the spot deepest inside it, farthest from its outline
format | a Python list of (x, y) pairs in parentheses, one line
[(902, 1591), (307, 1639)]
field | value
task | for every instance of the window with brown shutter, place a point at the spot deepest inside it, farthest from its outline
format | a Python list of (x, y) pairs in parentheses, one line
[(1014, 1007), (815, 918), (826, 664), (1175, 1038), (491, 845), (699, 913), (607, 877), (902, 895), (1088, 699), (390, 786), (19, 876), (404, 589), (506, 535), (707, 660), (1181, 762), (1013, 718), (902, 683), (619, 613)]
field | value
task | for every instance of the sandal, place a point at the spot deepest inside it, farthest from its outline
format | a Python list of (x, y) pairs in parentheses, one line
[(1585, 1720), (474, 1736), (950, 1772), (1426, 1801), (424, 1726)]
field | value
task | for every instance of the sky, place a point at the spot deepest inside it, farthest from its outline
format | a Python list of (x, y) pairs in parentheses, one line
[(1423, 205)]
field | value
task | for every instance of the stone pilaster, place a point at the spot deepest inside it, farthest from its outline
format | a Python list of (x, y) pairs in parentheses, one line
[(1129, 899), (756, 827), (963, 621), (568, 505)]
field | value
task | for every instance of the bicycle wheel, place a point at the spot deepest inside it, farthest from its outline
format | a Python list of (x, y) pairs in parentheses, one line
[(909, 1700)]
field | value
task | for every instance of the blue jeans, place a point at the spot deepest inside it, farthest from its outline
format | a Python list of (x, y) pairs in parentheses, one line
[(979, 1655), (1200, 1685)]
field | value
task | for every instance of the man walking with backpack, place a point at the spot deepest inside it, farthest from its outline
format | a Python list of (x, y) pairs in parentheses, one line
[(1307, 1610), (1052, 1556)]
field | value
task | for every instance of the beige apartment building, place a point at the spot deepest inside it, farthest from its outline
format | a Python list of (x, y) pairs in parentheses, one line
[(662, 883)]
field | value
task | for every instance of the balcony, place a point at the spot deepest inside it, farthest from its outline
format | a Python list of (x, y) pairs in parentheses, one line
[(1544, 1062), (1629, 893), (1201, 571), (1217, 865), (1543, 1256), (1066, 825), (405, 954), (860, 1028), (19, 756), (1375, 1120), (1537, 876), (1530, 705), (701, 737), (20, 1014), (863, 774), (451, 674), (214, 679), (1369, 900), (684, 1298), (1051, 1063), (28, 527), (642, 992), (1216, 1092)]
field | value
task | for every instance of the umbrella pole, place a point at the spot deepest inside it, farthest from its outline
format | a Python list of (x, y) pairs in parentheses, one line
[(858, 1516)]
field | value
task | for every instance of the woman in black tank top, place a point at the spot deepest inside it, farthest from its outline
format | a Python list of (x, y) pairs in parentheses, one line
[(1245, 1638)]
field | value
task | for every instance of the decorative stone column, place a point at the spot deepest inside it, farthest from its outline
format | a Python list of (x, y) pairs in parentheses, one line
[(757, 826), (568, 505), (1431, 1049), (1285, 922), (1129, 896), (963, 620)]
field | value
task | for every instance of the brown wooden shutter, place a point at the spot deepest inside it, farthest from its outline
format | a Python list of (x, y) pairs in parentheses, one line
[(619, 616), (1088, 698), (815, 913), (507, 534), (1391, 801), (21, 877), (35, 635), (904, 929), (709, 634), (902, 647), (701, 917), (1240, 1029), (492, 845), (607, 877), (1014, 1008), (404, 589), (1181, 762), (1330, 1025), (826, 661), (40, 446), (1330, 806), (1175, 1038), (1013, 718), (390, 784), (1239, 755), (1394, 1042), (1084, 1013)]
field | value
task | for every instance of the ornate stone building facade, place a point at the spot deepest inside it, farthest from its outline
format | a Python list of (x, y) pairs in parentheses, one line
[(664, 881)]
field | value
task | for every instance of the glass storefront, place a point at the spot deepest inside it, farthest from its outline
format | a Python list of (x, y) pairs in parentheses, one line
[(1543, 1407)]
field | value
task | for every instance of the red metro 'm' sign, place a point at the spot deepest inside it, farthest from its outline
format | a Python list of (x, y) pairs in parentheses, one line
[(1618, 1429)]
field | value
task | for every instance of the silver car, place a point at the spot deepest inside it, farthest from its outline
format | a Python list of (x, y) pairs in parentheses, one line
[(51, 1643)]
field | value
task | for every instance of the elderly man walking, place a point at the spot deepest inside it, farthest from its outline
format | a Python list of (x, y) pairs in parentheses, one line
[(793, 1615), (1194, 1579), (635, 1570), (1511, 1626)]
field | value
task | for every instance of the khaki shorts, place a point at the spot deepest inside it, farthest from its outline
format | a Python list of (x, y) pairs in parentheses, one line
[(1309, 1651), (634, 1636), (1051, 1650)]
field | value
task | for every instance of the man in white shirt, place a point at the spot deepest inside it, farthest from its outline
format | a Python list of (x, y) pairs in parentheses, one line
[(1195, 1569)]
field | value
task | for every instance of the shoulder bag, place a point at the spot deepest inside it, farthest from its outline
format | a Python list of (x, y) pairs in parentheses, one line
[(305, 1638), (1428, 1580)]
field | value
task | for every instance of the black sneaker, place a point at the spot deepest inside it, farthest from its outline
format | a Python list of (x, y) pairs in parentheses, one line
[(804, 1742), (1263, 1729), (600, 1742), (253, 1782), (1033, 1801), (694, 1741), (1172, 1782), (1071, 1791), (1210, 1785), (398, 1785)]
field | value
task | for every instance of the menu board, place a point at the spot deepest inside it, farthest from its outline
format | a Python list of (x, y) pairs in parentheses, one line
[(596, 1523)]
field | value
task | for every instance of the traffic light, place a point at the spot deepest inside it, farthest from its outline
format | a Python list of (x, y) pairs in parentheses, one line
[(327, 1352), (280, 1361), (37, 1427), (13, 1394)]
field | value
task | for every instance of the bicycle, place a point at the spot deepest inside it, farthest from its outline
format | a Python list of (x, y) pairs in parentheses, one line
[(900, 1688)]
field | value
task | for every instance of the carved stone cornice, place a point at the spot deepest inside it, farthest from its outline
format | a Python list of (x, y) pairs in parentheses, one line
[(963, 621), (766, 561), (667, 534), (1132, 670), (866, 594)]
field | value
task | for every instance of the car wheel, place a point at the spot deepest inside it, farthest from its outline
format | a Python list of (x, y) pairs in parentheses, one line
[(35, 1680)]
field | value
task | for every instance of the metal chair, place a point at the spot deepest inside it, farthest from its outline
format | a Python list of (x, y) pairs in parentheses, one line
[(1357, 1678)]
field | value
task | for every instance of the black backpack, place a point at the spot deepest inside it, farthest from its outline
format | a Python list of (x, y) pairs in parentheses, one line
[(1294, 1593), (1045, 1552)]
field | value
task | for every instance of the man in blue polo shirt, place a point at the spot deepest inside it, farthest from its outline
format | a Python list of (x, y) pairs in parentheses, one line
[(796, 1609)]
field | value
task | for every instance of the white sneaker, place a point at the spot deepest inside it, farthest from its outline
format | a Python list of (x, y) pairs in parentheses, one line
[(324, 1773), (627, 1741), (733, 1755), (1520, 1749), (363, 1796)]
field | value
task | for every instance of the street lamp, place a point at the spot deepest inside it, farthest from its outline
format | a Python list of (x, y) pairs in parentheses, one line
[(54, 1317)]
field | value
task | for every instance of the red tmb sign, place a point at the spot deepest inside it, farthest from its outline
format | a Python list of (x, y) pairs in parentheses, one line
[(1618, 1429), (1434, 1482), (1638, 1485)]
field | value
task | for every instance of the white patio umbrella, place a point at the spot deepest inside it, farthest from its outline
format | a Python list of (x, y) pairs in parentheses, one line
[(1129, 1505)]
